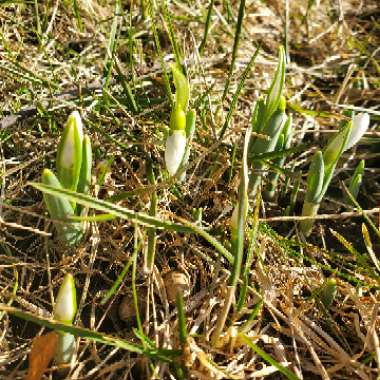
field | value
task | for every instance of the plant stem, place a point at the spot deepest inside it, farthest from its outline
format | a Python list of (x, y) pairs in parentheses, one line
[(308, 209)]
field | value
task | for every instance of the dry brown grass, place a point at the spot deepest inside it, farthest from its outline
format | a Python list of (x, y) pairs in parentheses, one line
[(335, 65)]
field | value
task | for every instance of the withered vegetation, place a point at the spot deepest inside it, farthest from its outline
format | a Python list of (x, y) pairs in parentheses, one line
[(111, 61)]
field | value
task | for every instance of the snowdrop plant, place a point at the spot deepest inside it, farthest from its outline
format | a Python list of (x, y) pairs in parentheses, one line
[(323, 166), (64, 311), (268, 120), (73, 163), (182, 124)]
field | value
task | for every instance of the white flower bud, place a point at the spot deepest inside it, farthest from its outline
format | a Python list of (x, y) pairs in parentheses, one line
[(69, 155), (66, 303), (175, 150), (360, 124)]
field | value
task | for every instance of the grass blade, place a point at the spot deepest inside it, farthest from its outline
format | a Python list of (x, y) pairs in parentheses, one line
[(207, 27), (161, 354), (237, 93), (239, 26), (286, 372)]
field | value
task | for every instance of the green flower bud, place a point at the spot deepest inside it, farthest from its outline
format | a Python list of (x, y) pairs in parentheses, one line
[(327, 292), (177, 119)]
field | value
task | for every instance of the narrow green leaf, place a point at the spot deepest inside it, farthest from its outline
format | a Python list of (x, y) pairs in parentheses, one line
[(182, 87), (207, 27), (286, 372), (168, 19), (356, 180), (119, 280), (272, 130), (157, 43), (250, 253), (282, 143), (333, 151), (111, 46), (150, 251), (161, 354), (181, 318), (60, 209), (258, 116), (315, 178), (85, 171), (239, 28), (275, 91), (237, 93)]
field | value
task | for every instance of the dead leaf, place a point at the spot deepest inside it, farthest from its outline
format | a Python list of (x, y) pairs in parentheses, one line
[(42, 352)]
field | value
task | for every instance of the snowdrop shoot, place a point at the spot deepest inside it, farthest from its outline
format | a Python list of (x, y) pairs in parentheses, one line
[(268, 119), (177, 140), (74, 164), (323, 166), (64, 311)]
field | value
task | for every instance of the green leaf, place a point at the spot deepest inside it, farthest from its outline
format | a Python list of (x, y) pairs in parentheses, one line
[(85, 172), (258, 116), (154, 353), (61, 209), (315, 178), (182, 88), (191, 117), (272, 130), (356, 180), (332, 153), (275, 91), (327, 292)]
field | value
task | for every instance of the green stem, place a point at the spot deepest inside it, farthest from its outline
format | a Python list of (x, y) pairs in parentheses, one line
[(308, 209)]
